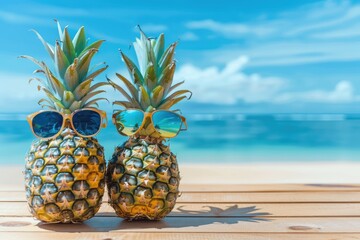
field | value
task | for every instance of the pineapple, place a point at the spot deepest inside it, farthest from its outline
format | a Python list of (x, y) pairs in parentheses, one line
[(143, 175), (65, 176)]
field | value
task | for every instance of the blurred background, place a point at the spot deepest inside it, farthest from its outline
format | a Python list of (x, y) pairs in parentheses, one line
[(272, 81)]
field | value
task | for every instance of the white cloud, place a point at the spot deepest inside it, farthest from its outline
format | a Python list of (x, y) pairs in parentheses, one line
[(327, 15), (289, 52), (229, 84), (11, 17), (189, 36), (309, 18), (229, 29), (153, 28), (350, 31), (49, 10), (318, 32), (109, 38), (18, 95), (342, 93)]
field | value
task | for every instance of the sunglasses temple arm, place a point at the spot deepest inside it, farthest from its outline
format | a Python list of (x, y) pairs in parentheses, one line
[(186, 126), (104, 124)]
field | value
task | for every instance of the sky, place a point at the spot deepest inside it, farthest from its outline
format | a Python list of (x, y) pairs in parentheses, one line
[(235, 56)]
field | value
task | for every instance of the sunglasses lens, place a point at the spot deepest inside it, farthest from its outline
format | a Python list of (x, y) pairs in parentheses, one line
[(128, 122), (168, 124), (47, 124), (87, 122)]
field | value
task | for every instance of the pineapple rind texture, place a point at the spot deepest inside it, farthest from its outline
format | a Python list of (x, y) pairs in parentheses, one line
[(65, 178), (142, 180)]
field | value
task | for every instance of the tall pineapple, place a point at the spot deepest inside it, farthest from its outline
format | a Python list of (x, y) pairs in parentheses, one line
[(143, 175), (65, 176)]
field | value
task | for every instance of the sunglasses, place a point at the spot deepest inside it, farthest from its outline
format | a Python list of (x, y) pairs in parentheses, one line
[(168, 124), (49, 124)]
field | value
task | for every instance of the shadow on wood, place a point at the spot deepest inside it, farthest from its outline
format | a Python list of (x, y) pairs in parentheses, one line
[(232, 211), (182, 219)]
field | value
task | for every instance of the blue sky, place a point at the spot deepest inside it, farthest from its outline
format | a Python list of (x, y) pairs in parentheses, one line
[(236, 56)]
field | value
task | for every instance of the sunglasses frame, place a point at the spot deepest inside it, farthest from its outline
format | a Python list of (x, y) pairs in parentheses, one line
[(148, 115), (68, 116)]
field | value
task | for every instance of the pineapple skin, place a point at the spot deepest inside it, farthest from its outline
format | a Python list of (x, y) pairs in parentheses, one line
[(65, 178), (142, 180)]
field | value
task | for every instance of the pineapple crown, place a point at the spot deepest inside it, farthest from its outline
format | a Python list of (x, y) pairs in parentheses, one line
[(152, 81), (70, 88)]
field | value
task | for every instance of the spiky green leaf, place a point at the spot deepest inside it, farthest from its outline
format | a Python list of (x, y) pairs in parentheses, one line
[(75, 105), (170, 103), (167, 76), (49, 103), (34, 60), (84, 63), (60, 107), (132, 89), (133, 70), (67, 99), (97, 72), (79, 41), (68, 46), (177, 94), (94, 102), (159, 47), (120, 89), (157, 95), (47, 46), (151, 57), (90, 95), (42, 82), (167, 57), (71, 76), (97, 85), (56, 84), (144, 98), (51, 96), (50, 85), (124, 104), (175, 86), (139, 46), (150, 77), (95, 45), (61, 61), (59, 29), (82, 89)]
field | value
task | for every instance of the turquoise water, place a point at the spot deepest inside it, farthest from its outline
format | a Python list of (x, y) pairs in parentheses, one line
[(229, 138)]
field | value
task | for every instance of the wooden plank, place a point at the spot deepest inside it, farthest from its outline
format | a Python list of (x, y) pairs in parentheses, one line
[(17, 209), (191, 224), (268, 187), (269, 197), (175, 236), (238, 197)]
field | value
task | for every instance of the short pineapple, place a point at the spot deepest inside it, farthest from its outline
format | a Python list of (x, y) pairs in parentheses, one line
[(64, 177), (143, 175)]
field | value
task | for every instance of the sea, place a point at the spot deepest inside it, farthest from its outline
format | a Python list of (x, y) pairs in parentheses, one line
[(227, 138)]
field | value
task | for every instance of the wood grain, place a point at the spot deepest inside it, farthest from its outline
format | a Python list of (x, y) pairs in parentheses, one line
[(249, 211), (175, 236), (192, 224), (268, 187), (18, 209)]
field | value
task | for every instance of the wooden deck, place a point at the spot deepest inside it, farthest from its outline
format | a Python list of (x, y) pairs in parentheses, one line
[(252, 211)]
